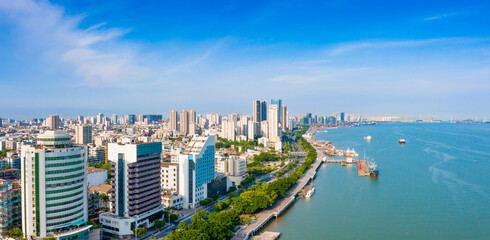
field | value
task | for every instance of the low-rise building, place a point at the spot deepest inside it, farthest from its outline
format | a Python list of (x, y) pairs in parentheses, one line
[(172, 200), (170, 176), (96, 176)]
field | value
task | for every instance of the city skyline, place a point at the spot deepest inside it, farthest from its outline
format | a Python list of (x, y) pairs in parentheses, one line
[(373, 59)]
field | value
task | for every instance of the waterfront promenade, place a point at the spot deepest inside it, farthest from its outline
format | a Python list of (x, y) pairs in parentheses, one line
[(280, 205)]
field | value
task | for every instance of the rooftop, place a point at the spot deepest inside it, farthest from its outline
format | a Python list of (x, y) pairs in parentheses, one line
[(102, 188), (92, 169)]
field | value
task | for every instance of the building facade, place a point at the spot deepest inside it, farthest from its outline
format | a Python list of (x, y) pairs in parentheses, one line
[(135, 196), (83, 134), (54, 193), (196, 170)]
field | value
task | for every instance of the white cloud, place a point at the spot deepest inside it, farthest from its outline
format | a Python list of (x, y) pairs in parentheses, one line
[(294, 79), (97, 56)]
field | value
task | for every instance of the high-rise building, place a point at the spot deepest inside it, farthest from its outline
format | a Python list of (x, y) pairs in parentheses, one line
[(83, 134), (342, 117), (54, 188), (131, 119), (100, 118), (263, 111), (135, 195), (196, 170), (273, 121), (184, 122), (258, 115), (278, 103), (53, 122), (174, 118), (284, 118), (80, 119), (114, 119)]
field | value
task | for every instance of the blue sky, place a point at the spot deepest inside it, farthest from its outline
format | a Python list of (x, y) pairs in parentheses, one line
[(370, 57)]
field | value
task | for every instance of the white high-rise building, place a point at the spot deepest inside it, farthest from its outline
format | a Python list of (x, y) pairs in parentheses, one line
[(83, 134), (196, 170), (274, 130), (264, 129), (228, 128), (252, 128), (54, 188), (174, 118)]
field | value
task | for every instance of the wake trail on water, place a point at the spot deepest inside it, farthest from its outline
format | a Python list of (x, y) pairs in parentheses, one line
[(458, 187)]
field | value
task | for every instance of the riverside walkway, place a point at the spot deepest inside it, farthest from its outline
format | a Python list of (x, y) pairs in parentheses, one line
[(280, 205)]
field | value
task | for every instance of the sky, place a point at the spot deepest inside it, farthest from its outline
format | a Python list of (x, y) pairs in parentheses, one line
[(375, 58)]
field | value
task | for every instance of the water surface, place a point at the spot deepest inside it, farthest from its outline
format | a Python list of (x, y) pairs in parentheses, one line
[(437, 186)]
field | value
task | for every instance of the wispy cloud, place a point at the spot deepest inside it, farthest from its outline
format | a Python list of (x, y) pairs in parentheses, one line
[(95, 54), (387, 44), (196, 60), (445, 15), (294, 79)]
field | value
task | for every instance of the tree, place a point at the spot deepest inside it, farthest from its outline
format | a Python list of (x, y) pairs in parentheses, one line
[(107, 166), (139, 232), (231, 189), (103, 197), (160, 224), (15, 232), (173, 217)]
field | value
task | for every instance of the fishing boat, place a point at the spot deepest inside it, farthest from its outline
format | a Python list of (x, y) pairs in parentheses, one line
[(401, 141), (373, 169), (310, 192), (367, 138)]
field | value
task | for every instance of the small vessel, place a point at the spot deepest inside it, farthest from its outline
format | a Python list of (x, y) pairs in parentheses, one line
[(310, 192), (373, 169), (367, 138), (351, 153), (401, 141)]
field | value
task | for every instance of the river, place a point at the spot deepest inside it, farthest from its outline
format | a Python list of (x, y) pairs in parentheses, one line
[(437, 186)]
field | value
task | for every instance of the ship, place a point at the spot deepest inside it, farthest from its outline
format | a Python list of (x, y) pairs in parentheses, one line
[(351, 153), (310, 192), (373, 169), (367, 138), (401, 141)]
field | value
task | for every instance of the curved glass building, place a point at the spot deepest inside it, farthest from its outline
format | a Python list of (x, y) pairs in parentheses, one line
[(54, 193)]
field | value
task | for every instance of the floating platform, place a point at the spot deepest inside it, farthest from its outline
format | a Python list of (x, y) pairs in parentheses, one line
[(267, 236), (362, 168)]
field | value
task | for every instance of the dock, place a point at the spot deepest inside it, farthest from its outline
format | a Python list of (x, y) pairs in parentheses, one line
[(267, 236), (363, 170)]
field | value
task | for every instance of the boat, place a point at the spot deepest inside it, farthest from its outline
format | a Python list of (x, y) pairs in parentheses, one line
[(373, 169), (367, 138), (401, 141), (350, 153), (310, 192)]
